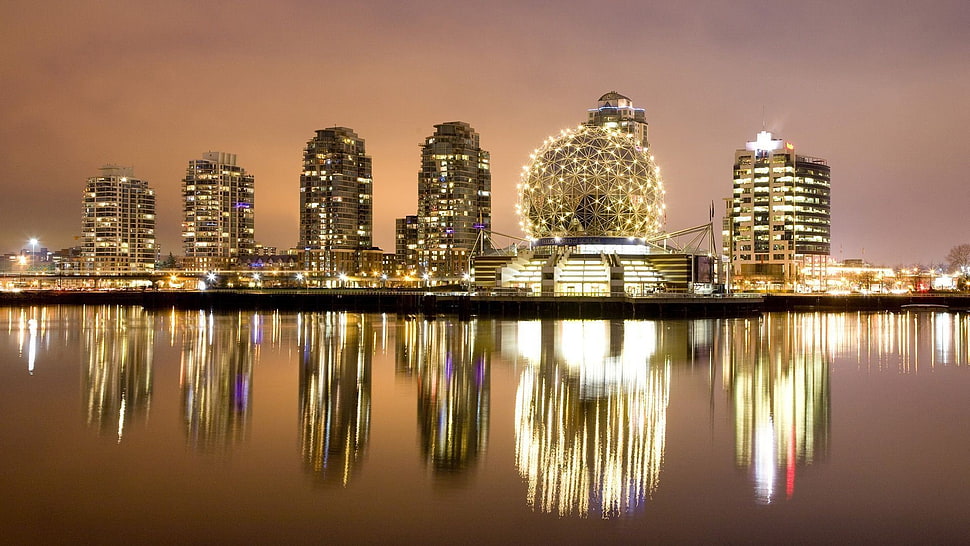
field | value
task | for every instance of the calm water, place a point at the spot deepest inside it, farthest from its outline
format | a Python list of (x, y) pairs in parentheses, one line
[(120, 424)]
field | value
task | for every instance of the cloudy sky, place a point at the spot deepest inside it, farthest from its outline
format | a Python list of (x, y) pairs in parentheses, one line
[(881, 89)]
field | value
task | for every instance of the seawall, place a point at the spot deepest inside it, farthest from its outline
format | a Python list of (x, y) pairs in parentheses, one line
[(505, 306), (406, 303)]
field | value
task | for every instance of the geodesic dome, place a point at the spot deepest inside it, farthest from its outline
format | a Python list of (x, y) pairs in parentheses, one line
[(591, 181)]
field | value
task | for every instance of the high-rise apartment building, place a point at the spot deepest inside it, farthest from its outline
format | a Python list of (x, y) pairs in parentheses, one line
[(615, 111), (454, 200), (406, 242), (118, 223), (779, 228), (336, 204), (217, 202)]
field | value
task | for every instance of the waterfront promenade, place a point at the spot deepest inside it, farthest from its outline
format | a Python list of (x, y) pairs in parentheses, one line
[(408, 303), (425, 303)]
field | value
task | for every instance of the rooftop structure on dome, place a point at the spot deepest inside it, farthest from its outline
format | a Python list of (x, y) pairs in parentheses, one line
[(591, 204), (615, 111)]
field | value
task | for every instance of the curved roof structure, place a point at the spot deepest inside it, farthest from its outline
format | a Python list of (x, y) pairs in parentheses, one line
[(613, 96)]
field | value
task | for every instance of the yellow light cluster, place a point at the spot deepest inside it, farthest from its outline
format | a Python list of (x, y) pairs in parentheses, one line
[(591, 181)]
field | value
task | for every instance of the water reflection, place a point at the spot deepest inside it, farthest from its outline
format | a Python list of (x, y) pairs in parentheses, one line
[(335, 394), (907, 342), (452, 363), (218, 355), (591, 397), (31, 324), (31, 345), (777, 375), (117, 344), (590, 415)]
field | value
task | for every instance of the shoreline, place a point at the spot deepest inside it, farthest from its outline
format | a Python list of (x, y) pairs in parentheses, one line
[(430, 304)]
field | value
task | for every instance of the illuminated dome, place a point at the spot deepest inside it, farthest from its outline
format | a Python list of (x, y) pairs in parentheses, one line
[(591, 182)]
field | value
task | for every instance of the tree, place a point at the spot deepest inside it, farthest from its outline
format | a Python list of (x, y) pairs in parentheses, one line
[(959, 258), (168, 263)]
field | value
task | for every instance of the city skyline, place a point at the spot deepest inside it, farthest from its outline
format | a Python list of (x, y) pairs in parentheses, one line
[(880, 92)]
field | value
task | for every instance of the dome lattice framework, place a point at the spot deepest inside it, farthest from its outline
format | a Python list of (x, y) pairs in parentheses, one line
[(591, 181)]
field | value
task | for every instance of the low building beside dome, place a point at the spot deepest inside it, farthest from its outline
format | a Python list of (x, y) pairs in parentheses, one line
[(594, 267)]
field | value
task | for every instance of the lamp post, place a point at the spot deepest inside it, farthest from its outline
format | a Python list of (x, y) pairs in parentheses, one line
[(33, 252)]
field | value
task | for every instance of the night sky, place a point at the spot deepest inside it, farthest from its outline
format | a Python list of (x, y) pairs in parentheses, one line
[(881, 89)]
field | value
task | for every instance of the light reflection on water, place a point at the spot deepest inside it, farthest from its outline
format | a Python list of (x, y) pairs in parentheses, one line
[(335, 395), (216, 379), (589, 402), (776, 372), (450, 362), (590, 417), (118, 344), (905, 342)]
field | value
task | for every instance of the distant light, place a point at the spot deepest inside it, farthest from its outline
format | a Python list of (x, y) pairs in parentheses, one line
[(764, 142)]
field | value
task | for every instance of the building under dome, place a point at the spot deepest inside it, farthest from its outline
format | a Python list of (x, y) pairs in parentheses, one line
[(591, 204)]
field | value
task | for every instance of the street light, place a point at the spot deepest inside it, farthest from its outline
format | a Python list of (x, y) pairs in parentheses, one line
[(33, 250)]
